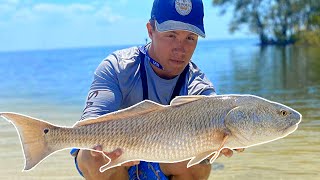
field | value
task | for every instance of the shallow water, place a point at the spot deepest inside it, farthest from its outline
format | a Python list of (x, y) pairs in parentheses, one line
[(290, 76), (52, 85)]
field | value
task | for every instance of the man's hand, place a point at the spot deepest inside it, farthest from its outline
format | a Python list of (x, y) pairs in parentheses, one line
[(228, 152), (90, 162)]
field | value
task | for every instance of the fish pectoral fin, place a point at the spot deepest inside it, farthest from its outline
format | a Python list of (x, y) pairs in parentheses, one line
[(180, 100), (143, 107), (216, 155), (197, 159)]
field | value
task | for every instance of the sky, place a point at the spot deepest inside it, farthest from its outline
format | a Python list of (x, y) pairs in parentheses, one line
[(52, 24)]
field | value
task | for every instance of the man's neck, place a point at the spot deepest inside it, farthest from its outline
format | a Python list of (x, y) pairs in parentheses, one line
[(160, 72)]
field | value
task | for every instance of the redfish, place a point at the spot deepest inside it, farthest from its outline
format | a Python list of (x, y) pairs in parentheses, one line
[(191, 128)]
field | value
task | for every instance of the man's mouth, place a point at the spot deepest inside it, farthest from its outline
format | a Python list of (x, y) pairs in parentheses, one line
[(176, 61)]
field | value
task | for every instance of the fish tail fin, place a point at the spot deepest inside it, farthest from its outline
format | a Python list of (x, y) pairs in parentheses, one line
[(32, 138)]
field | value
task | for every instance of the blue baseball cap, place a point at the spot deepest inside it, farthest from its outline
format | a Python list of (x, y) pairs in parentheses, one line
[(170, 15)]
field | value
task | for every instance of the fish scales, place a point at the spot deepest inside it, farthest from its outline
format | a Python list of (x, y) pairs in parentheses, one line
[(185, 133), (130, 136), (191, 127)]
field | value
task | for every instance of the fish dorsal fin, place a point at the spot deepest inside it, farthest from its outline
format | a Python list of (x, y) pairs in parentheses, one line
[(180, 100), (141, 108)]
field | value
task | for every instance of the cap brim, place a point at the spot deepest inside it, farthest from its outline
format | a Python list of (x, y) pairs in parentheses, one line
[(177, 25)]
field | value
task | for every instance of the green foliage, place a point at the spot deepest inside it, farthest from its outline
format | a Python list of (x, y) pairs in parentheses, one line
[(310, 38), (314, 20), (275, 21)]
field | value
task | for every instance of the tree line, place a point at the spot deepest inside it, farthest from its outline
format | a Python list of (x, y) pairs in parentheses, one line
[(279, 22)]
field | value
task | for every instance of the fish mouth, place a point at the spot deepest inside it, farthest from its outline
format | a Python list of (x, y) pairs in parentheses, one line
[(297, 116), (290, 129), (294, 125)]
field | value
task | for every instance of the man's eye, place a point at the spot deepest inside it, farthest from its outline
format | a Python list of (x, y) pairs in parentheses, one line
[(191, 38)]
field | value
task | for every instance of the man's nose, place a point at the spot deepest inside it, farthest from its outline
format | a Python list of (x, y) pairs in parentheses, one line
[(179, 47)]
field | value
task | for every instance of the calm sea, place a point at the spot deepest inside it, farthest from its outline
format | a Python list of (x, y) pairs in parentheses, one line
[(53, 84)]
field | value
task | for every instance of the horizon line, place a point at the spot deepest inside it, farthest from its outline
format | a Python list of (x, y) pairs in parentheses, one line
[(114, 45)]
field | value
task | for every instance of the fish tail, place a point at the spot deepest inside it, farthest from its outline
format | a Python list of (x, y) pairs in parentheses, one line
[(32, 137)]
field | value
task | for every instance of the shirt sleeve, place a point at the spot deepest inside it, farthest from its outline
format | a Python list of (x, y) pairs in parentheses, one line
[(104, 95), (199, 84)]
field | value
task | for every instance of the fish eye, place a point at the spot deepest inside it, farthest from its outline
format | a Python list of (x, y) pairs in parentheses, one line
[(284, 113)]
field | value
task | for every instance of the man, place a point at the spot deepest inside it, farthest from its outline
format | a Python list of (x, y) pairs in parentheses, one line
[(158, 71)]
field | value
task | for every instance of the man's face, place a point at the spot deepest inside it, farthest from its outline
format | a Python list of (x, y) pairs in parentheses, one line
[(172, 49)]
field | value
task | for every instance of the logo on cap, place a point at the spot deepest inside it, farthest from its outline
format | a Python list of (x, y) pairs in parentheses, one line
[(183, 7)]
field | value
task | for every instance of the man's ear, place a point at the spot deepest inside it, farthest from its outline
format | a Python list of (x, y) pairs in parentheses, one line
[(150, 30)]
